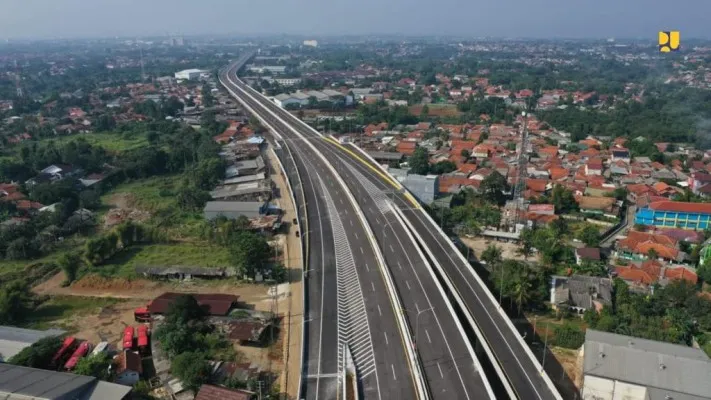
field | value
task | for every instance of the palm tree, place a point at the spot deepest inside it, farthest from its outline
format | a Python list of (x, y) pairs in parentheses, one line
[(526, 249), (492, 254), (522, 291)]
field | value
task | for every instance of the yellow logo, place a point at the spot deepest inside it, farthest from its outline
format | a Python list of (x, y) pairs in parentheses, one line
[(669, 41)]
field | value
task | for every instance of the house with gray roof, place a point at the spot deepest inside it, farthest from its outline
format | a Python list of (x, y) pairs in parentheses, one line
[(581, 293), (624, 367)]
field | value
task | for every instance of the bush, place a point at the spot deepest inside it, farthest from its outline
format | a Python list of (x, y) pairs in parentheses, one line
[(39, 355), (569, 336)]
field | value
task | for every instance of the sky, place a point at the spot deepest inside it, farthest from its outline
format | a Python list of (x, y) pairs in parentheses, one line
[(475, 18)]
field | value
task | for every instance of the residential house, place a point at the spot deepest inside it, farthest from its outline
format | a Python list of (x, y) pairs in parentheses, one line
[(637, 246), (640, 276), (605, 206), (593, 167), (591, 254), (581, 293), (129, 368), (624, 367), (620, 154), (212, 392)]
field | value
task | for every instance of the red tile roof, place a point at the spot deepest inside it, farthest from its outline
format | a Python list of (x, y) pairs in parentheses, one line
[(680, 206), (537, 185), (216, 304), (211, 392)]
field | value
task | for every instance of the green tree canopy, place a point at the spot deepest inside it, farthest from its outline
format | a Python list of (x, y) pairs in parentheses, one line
[(419, 161), (192, 369), (94, 365), (39, 354)]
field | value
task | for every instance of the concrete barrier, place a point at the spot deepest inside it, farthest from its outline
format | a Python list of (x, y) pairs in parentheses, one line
[(418, 377)]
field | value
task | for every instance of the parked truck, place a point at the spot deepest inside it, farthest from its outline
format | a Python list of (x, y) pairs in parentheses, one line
[(80, 352), (128, 338)]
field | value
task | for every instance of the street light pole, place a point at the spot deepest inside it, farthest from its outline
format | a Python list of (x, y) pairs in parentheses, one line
[(501, 285), (417, 324)]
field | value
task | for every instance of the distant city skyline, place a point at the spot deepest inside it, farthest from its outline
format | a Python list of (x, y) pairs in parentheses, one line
[(35, 19)]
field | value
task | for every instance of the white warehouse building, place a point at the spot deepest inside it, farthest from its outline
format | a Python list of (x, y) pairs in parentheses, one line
[(189, 74)]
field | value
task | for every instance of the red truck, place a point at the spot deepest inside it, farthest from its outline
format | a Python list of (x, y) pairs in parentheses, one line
[(80, 352), (67, 346), (143, 339), (128, 338)]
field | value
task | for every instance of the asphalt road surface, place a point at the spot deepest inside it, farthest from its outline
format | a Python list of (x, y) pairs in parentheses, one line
[(347, 299)]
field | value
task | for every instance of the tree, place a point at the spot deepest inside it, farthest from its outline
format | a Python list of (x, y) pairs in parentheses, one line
[(69, 263), (522, 291), (419, 161), (39, 354), (184, 310), (192, 198), (465, 153), (105, 123), (15, 301), (492, 254), (563, 200), (652, 254), (590, 235), (249, 253), (94, 365), (192, 369), (89, 199), (493, 188)]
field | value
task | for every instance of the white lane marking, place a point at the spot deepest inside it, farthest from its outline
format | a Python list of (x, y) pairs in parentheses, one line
[(351, 221), (361, 251), (417, 308), (408, 285), (399, 265), (367, 268), (341, 200), (386, 338), (373, 285), (428, 336), (393, 368), (391, 248), (441, 375), (379, 312), (377, 221), (356, 235)]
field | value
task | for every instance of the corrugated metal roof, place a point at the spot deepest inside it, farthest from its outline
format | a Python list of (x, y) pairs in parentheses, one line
[(21, 382), (670, 368), (13, 339)]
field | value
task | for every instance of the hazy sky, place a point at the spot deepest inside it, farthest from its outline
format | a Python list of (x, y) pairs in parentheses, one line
[(500, 18)]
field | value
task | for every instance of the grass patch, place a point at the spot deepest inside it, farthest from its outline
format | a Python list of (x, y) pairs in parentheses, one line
[(53, 311), (112, 142), (188, 254), (151, 194)]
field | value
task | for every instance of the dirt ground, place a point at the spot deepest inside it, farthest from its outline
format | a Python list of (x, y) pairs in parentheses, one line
[(122, 210), (479, 244), (145, 290), (572, 364), (106, 324)]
